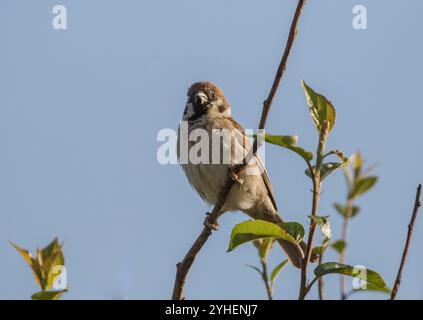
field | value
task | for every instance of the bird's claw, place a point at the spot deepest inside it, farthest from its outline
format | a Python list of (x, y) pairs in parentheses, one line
[(211, 222)]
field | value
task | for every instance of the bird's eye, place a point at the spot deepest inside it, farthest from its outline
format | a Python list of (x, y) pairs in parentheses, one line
[(212, 95)]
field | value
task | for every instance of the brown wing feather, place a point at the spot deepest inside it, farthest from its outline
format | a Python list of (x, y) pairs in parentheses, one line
[(267, 182), (263, 170)]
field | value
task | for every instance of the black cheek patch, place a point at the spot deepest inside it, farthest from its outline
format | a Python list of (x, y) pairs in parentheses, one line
[(222, 108), (199, 109)]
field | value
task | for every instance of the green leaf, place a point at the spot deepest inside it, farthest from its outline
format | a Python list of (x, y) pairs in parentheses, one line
[(318, 250), (324, 224), (289, 142), (44, 263), (339, 246), (24, 253), (254, 268), (263, 246), (276, 271), (358, 164), (39, 260), (320, 220), (33, 263), (342, 210), (321, 109), (54, 264), (372, 287), (49, 250), (329, 167), (337, 153), (256, 229), (51, 260), (282, 140), (348, 178), (369, 276), (48, 295), (295, 229), (362, 185)]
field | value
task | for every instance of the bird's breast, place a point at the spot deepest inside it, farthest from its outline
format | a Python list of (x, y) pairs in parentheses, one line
[(213, 149)]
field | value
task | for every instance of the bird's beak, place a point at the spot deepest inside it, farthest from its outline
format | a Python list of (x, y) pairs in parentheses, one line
[(201, 97)]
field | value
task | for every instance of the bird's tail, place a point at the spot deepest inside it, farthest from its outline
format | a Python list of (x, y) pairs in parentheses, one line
[(294, 252)]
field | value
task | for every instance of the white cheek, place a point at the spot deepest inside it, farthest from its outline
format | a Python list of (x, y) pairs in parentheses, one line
[(189, 111)]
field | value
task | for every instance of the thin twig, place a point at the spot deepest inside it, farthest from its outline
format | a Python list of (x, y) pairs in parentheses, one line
[(316, 197), (184, 266), (265, 277), (407, 243), (344, 236), (308, 287), (321, 283)]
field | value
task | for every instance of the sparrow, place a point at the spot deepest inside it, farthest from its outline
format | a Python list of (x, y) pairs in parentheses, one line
[(207, 109)]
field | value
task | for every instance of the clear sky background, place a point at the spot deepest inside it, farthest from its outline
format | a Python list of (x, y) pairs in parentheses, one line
[(80, 111)]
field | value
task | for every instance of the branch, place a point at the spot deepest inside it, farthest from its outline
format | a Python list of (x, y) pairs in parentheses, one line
[(407, 243), (308, 287), (265, 277), (321, 283), (210, 223), (316, 198), (342, 256)]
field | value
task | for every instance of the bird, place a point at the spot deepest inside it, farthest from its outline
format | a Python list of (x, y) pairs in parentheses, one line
[(208, 113)]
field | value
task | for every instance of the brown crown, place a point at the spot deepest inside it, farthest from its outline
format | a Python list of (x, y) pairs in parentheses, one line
[(207, 88)]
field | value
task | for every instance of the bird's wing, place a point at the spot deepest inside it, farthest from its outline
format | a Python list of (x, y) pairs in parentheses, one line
[(267, 182), (246, 146)]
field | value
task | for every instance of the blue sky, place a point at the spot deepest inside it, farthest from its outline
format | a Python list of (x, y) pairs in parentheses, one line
[(80, 111)]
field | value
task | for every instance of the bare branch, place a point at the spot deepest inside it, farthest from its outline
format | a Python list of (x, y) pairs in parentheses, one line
[(184, 266), (407, 243)]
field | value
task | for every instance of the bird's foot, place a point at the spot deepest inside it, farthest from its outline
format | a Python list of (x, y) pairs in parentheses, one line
[(211, 222), (234, 176)]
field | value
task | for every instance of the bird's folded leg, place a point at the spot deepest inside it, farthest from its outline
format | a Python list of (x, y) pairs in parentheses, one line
[(234, 176), (211, 222)]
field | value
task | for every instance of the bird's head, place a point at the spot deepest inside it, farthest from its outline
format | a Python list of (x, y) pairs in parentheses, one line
[(205, 98)]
